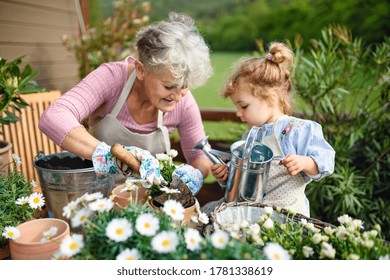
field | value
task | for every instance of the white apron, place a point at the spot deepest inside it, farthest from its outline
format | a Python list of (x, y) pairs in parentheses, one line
[(111, 131), (282, 189)]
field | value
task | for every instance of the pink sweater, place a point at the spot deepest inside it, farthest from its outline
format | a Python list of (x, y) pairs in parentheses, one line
[(96, 95)]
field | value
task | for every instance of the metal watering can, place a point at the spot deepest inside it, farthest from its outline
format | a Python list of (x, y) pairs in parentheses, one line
[(249, 164)]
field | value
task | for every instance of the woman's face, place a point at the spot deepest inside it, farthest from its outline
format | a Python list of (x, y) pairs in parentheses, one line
[(162, 91), (252, 110)]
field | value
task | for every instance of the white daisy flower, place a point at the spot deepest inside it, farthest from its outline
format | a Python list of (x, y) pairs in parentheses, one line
[(307, 251), (203, 218), (101, 205), (273, 251), (268, 224), (174, 209), (269, 210), (147, 224), (162, 157), (49, 234), (165, 242), (70, 208), (22, 200), (172, 153), (244, 224), (119, 229), (132, 184), (34, 184), (254, 229), (344, 219), (36, 200), (129, 254), (93, 196), (169, 190), (71, 245), (327, 251), (11, 233), (193, 239), (194, 219), (17, 159), (316, 238), (219, 239), (81, 217)]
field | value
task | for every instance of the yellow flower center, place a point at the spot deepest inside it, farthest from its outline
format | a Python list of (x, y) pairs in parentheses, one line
[(101, 206), (173, 211), (10, 234), (130, 259), (36, 200), (73, 246), (119, 231), (276, 257), (147, 225), (83, 218), (221, 240), (166, 243), (192, 240)]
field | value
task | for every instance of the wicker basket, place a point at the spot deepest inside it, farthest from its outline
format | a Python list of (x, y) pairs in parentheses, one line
[(227, 214)]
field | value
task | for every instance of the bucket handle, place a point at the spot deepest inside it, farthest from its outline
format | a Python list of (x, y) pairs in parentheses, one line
[(39, 156), (249, 143)]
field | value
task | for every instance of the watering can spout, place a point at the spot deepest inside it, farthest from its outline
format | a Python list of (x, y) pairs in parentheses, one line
[(212, 154)]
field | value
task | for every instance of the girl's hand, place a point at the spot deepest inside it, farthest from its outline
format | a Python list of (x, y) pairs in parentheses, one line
[(220, 172), (296, 164)]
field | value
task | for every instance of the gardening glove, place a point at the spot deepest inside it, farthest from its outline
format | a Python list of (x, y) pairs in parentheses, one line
[(191, 176), (104, 162)]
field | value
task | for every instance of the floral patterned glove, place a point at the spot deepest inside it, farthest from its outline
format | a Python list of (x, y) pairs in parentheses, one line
[(191, 176), (104, 162)]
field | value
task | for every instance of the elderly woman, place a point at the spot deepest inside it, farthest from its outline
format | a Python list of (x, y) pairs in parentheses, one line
[(138, 102)]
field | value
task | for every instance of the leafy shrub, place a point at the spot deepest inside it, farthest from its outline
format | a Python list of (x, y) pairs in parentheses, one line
[(346, 88)]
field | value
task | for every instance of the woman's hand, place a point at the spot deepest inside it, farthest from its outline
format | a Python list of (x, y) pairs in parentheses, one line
[(220, 172), (191, 176), (297, 163)]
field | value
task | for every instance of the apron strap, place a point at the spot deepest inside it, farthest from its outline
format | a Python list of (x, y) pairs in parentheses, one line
[(124, 94)]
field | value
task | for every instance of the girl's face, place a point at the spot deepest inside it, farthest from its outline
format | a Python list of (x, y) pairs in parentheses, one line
[(252, 110), (162, 91)]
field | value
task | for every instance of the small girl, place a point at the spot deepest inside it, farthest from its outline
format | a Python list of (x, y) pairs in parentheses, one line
[(261, 89)]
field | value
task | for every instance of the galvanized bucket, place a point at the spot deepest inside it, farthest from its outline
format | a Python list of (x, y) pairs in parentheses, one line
[(73, 177)]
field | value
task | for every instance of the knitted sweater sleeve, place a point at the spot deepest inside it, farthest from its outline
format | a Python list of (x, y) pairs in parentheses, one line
[(99, 90)]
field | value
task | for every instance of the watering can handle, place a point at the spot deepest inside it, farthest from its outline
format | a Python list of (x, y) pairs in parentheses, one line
[(249, 143), (118, 151)]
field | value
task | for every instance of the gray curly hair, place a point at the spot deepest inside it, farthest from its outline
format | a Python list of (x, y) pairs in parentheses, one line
[(176, 46)]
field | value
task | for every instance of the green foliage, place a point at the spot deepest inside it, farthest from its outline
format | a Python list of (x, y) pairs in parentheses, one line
[(15, 81), (304, 240), (112, 39), (279, 20), (346, 88), (12, 187)]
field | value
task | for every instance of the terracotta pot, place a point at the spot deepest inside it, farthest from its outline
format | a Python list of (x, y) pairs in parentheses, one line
[(123, 198), (29, 247), (4, 252), (188, 213), (5, 156)]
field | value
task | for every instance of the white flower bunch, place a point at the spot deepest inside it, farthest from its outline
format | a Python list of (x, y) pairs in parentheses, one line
[(304, 240), (142, 232)]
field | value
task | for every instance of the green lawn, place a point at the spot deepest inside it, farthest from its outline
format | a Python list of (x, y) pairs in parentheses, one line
[(208, 96)]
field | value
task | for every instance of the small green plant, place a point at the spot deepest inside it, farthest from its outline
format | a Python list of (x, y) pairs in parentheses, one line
[(303, 240), (18, 201), (15, 81)]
